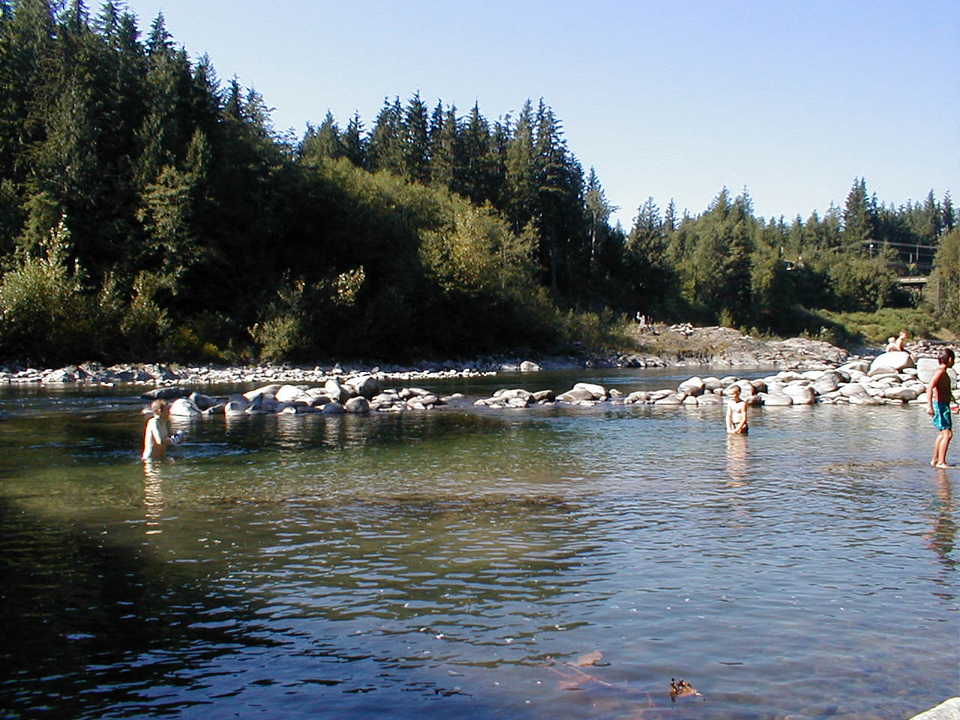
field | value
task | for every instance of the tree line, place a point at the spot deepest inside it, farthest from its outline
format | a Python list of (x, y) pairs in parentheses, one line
[(150, 210)]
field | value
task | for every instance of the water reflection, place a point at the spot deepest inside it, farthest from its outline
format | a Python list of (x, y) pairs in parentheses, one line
[(737, 460), (152, 495), (943, 536)]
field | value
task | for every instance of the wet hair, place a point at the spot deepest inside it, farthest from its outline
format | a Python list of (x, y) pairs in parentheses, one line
[(945, 356), (158, 406)]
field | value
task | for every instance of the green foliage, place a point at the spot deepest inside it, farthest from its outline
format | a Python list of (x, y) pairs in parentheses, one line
[(943, 287), (203, 233), (44, 313), (862, 283), (877, 327), (146, 323)]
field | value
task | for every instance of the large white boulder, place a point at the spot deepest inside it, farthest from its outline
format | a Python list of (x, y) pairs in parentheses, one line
[(598, 391), (290, 394), (184, 408), (800, 394), (693, 386), (896, 361), (265, 390)]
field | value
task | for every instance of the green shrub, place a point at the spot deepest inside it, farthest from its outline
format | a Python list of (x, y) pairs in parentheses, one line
[(45, 316)]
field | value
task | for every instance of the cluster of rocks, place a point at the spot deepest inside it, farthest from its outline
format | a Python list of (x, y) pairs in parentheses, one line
[(893, 378), (726, 347), (152, 374), (360, 394)]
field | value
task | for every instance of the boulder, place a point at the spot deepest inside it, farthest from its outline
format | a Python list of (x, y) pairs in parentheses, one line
[(61, 377), (860, 366), (335, 391), (333, 408), (235, 407), (853, 389), (511, 394), (542, 396), (800, 394), (906, 394), (183, 408), (693, 386), (637, 397), (203, 402), (777, 399), (825, 384), (926, 367), (529, 366), (709, 399), (576, 395), (365, 385), (671, 399), (947, 710), (167, 393), (358, 405), (598, 391), (289, 394), (895, 361), (265, 390)]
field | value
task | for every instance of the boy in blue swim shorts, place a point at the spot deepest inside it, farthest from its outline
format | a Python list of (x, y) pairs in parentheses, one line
[(939, 402)]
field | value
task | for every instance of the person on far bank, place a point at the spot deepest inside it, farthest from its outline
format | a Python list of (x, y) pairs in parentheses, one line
[(156, 436), (736, 417), (939, 404), (899, 343)]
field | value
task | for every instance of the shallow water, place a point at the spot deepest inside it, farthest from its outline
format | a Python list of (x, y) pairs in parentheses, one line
[(457, 563)]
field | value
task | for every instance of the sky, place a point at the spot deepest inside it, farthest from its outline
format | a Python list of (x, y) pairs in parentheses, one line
[(789, 100)]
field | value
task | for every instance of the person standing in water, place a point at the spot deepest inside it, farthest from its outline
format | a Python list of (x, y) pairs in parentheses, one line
[(736, 417), (939, 402), (156, 436)]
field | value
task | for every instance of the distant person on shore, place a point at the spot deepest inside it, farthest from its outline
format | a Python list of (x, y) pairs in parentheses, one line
[(899, 343), (939, 404), (736, 417), (156, 436)]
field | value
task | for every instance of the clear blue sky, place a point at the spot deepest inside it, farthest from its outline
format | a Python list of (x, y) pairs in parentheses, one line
[(791, 100)]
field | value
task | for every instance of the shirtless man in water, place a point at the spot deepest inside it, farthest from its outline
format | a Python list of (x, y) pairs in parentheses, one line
[(939, 402), (156, 436), (736, 413)]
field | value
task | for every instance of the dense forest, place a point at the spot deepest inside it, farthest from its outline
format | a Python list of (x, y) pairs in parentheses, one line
[(149, 210)]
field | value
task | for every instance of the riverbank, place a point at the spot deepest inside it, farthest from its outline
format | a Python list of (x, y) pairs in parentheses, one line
[(680, 345)]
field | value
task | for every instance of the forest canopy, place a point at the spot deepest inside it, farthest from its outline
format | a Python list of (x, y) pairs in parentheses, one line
[(149, 210)]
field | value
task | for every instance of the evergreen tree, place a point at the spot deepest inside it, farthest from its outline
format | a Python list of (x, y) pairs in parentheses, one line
[(949, 218), (475, 175), (521, 172), (416, 131), (322, 142), (387, 150), (445, 152), (859, 219), (354, 145)]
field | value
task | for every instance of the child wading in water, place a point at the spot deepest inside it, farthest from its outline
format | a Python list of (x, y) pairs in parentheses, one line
[(736, 413), (939, 401), (157, 435)]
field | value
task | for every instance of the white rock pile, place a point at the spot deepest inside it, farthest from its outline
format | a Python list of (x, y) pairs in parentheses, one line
[(359, 395), (893, 378)]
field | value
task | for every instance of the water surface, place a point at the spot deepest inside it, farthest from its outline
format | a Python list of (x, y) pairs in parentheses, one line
[(458, 563)]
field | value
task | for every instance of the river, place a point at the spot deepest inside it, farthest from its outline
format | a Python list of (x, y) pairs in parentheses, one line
[(469, 563)]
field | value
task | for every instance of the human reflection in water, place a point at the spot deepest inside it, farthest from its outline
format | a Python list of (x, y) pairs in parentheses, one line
[(737, 460), (153, 495), (943, 535)]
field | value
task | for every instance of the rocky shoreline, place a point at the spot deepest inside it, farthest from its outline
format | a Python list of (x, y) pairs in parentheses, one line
[(809, 371), (689, 346)]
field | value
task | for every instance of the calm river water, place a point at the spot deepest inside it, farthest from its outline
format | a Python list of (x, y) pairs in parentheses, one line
[(466, 563)]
